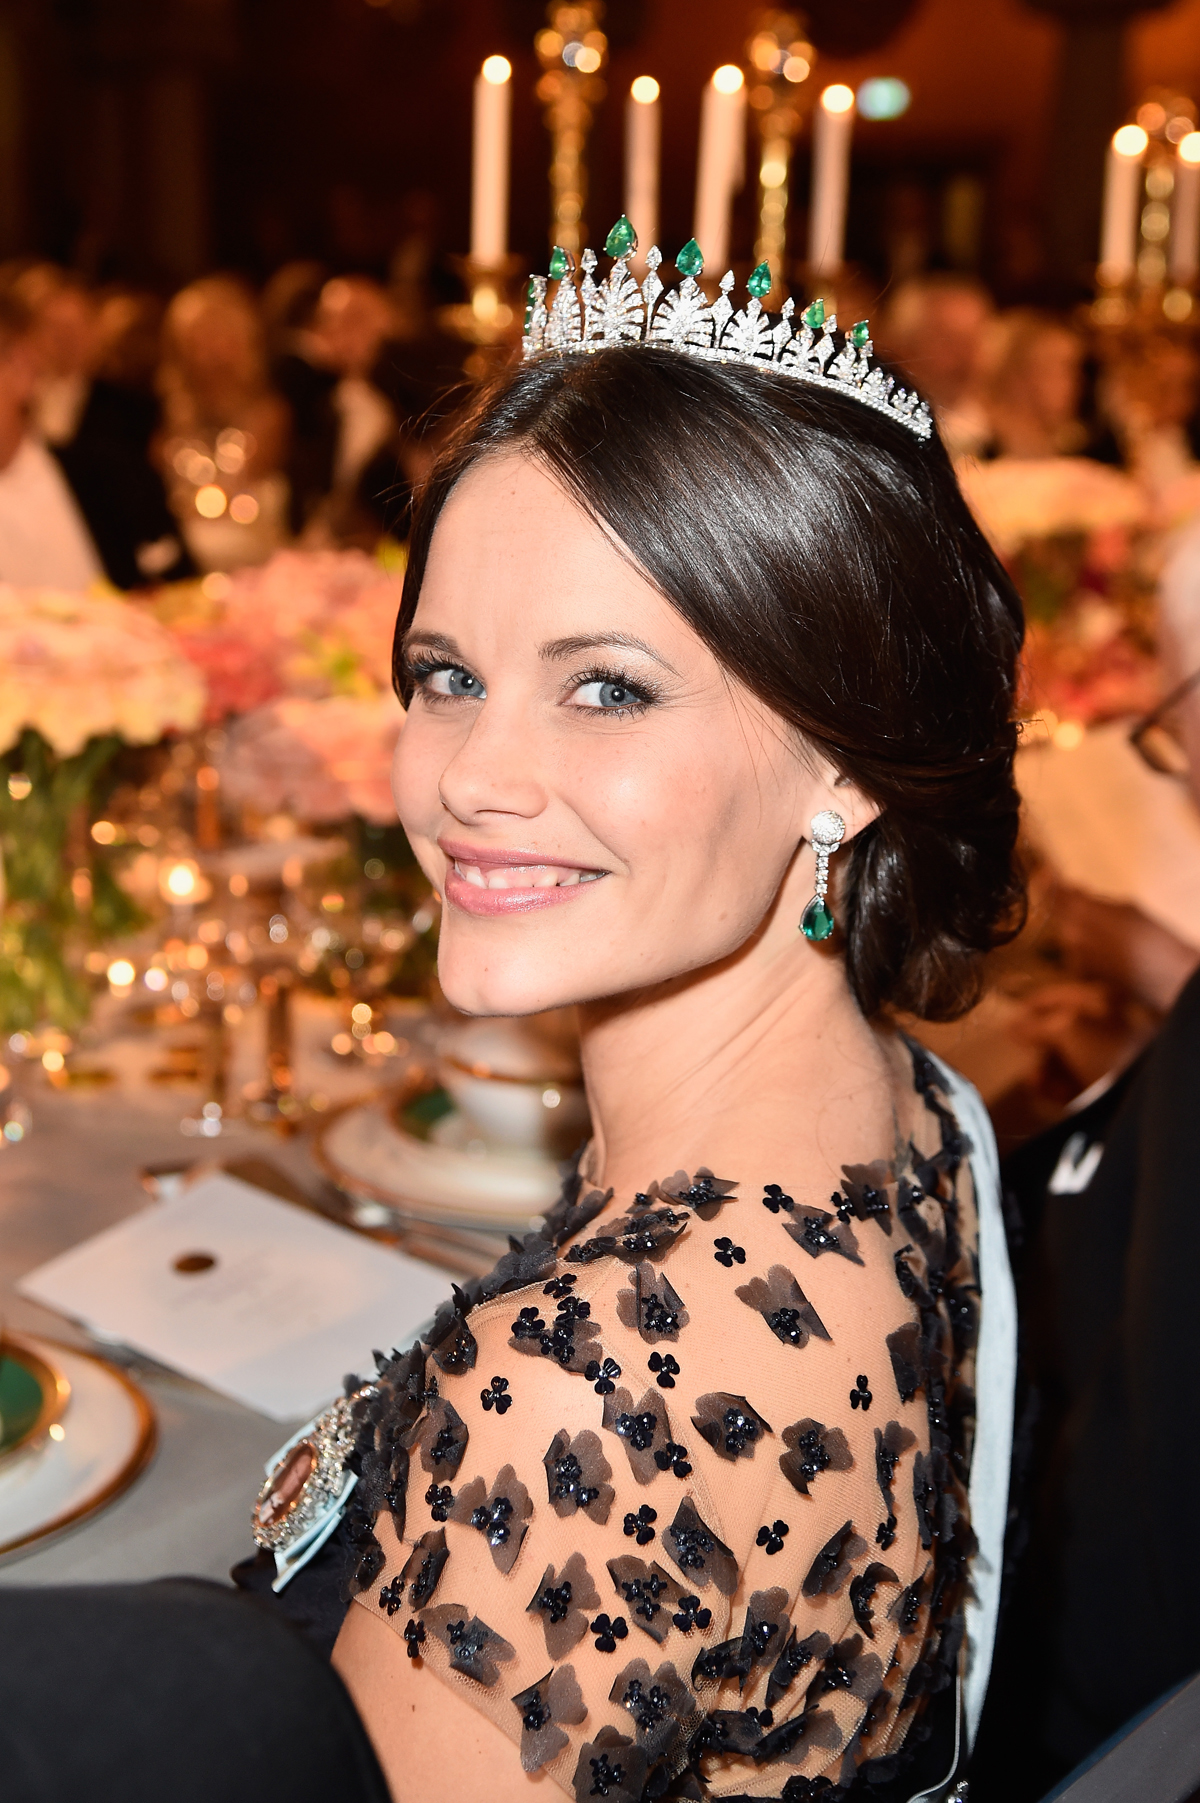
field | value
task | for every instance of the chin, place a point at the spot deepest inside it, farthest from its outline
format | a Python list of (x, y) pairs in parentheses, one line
[(479, 979)]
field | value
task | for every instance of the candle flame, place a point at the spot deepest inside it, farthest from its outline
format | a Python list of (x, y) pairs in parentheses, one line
[(497, 70), (838, 98), (728, 78), (1189, 148), (645, 90), (1130, 141)]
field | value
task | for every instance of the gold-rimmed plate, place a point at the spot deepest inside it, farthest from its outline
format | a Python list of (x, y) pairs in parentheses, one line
[(104, 1438), (34, 1395)]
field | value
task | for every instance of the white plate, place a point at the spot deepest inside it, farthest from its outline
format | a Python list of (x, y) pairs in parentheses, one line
[(499, 1189), (108, 1436)]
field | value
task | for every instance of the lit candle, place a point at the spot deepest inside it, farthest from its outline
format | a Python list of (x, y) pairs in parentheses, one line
[(1122, 197), (489, 170), (721, 166), (643, 135), (1185, 212), (833, 127)]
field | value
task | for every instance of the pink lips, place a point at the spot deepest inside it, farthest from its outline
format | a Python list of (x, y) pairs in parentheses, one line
[(472, 894)]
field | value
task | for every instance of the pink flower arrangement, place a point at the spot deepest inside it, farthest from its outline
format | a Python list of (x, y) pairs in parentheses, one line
[(318, 758)]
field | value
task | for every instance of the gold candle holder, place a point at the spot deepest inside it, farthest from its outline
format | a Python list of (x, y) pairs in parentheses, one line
[(781, 61), (490, 318), (572, 51)]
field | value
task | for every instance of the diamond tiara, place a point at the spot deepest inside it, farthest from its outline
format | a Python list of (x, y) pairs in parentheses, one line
[(592, 316)]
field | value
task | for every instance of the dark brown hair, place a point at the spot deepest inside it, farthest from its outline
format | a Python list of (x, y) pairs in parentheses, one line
[(827, 559)]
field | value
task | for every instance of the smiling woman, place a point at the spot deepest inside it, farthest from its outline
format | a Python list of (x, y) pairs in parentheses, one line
[(684, 1498)]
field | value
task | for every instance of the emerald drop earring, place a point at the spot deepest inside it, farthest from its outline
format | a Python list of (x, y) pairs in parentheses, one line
[(826, 830)]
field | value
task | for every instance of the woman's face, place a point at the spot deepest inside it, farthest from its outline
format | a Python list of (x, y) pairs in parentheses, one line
[(600, 805)]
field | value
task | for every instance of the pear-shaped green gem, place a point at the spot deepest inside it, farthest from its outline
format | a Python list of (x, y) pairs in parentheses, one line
[(689, 261), (860, 334), (814, 317), (758, 283), (816, 922), (621, 240), (560, 263)]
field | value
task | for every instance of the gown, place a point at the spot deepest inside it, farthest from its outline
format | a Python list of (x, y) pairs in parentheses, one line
[(678, 1495)]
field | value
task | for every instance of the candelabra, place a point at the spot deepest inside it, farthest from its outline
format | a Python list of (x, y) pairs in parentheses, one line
[(572, 51), (1150, 243), (781, 60)]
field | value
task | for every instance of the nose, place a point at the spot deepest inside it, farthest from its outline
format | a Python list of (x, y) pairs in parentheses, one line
[(496, 770)]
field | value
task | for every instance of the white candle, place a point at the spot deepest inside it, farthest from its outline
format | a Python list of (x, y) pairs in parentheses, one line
[(489, 170), (721, 166), (833, 127), (643, 137), (1185, 212), (1122, 199)]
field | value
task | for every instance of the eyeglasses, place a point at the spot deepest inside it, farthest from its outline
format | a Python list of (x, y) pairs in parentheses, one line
[(1155, 742)]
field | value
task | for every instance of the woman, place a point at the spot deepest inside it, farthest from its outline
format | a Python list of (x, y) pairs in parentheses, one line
[(679, 1495)]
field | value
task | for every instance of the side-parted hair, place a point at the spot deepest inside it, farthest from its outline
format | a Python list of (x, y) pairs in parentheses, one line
[(828, 560)]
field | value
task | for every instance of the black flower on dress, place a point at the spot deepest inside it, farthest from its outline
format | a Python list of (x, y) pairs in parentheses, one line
[(730, 1424), (543, 1707), (794, 1657), (577, 1475), (451, 1342), (611, 1768), (846, 1667), (703, 1192), (727, 1254), (442, 1438), (564, 1601), (891, 1443), (658, 1703), (860, 1395), (642, 1428), (608, 1630), (867, 1189), (665, 1369), (818, 1232), (640, 1526), (602, 1374), (652, 1306), (414, 1638), (791, 1740), (475, 1650), (651, 1594), (784, 1307), (908, 1363), (762, 1634), (440, 1498), (497, 1397), (774, 1199), (812, 1449), (862, 1594), (570, 1339), (831, 1567), (632, 1238), (424, 1566), (772, 1535), (500, 1514), (700, 1553)]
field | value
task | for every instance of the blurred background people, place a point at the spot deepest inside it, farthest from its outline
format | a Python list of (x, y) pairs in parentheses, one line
[(44, 539), (225, 429), (1034, 386), (353, 327), (100, 431), (934, 329), (1150, 395)]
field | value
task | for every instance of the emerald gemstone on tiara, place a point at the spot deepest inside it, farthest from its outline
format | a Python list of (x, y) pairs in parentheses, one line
[(621, 240), (758, 282), (689, 261), (588, 315)]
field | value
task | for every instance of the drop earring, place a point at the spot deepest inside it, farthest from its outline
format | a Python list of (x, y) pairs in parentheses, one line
[(826, 830)]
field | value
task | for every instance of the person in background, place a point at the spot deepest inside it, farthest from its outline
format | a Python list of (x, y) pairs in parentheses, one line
[(935, 330), (300, 372), (44, 539), (1149, 395), (99, 431), (353, 325), (225, 430), (1035, 385)]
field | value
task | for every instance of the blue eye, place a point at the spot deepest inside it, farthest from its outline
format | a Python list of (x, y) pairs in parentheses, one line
[(453, 680), (609, 696)]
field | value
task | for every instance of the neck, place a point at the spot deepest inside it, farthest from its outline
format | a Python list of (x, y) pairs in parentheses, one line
[(694, 1071), (12, 431)]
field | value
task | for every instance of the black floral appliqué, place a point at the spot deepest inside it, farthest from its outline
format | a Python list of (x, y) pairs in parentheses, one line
[(424, 1566), (577, 1475), (563, 1600), (703, 1192), (543, 1707), (815, 1232), (391, 1596), (440, 1498), (700, 1553), (608, 1630), (650, 1594), (831, 1567), (641, 1427), (610, 1767), (665, 1369), (652, 1306), (772, 1537), (774, 1199), (475, 1650), (730, 1425), (689, 1615), (443, 1438), (414, 1638), (500, 1514), (783, 1306), (862, 1593), (728, 1254), (640, 1526), (497, 1397), (602, 1375), (792, 1659), (812, 1449), (860, 1395)]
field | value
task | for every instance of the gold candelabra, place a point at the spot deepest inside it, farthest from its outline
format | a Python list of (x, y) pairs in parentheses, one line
[(573, 51), (781, 62)]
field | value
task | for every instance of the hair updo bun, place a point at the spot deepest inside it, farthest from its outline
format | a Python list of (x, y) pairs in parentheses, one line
[(828, 560)]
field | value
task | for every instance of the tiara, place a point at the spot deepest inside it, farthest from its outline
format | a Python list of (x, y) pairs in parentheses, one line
[(592, 316)]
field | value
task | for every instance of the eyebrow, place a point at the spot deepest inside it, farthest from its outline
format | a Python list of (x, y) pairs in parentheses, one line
[(610, 641), (437, 642)]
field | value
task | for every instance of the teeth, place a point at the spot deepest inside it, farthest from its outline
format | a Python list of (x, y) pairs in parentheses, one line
[(524, 876)]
